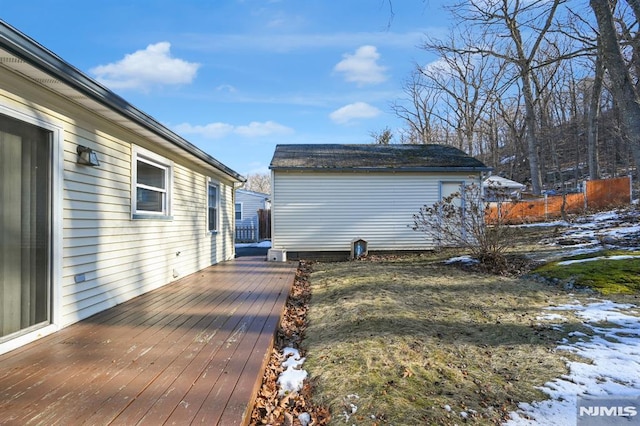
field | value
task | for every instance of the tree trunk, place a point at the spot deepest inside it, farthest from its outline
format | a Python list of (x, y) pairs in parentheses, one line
[(532, 140), (593, 113), (622, 86), (523, 62)]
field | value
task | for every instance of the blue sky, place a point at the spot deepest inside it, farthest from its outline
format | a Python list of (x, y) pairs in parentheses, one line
[(237, 77)]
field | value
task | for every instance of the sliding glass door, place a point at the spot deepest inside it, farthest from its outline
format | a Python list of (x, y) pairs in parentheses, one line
[(25, 222)]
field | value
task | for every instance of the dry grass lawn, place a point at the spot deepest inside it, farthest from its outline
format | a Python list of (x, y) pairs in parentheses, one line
[(409, 340)]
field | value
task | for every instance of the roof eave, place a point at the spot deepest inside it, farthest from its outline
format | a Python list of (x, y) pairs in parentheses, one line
[(382, 169)]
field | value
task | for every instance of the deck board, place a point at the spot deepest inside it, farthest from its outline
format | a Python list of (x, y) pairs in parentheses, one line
[(190, 352)]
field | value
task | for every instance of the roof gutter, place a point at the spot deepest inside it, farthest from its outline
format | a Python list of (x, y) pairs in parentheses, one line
[(40, 57), (381, 169)]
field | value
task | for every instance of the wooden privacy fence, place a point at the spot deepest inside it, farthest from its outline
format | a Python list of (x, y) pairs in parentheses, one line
[(264, 224), (597, 195)]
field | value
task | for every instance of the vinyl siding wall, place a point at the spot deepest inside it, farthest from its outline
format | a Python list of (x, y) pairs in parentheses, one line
[(118, 257), (251, 203), (327, 211)]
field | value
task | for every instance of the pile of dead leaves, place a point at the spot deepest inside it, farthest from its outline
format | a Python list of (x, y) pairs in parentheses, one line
[(269, 407)]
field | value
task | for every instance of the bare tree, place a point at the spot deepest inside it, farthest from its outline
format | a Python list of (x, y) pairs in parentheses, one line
[(258, 182), (468, 81), (382, 137), (592, 115), (623, 86), (509, 20), (417, 110), (579, 29), (458, 220), (519, 85), (511, 125)]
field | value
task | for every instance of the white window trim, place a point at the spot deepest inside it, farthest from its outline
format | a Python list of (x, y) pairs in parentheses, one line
[(241, 210), (461, 185), (460, 182), (155, 160), (216, 184)]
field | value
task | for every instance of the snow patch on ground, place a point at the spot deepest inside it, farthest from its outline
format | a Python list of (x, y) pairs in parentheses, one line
[(261, 244), (304, 419), (543, 224), (616, 229), (550, 317), (611, 367), (351, 408), (461, 259), (292, 378)]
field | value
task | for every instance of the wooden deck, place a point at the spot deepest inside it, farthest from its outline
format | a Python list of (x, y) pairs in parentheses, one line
[(191, 352)]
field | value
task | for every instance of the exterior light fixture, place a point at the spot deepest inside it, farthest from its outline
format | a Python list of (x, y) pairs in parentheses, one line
[(87, 156)]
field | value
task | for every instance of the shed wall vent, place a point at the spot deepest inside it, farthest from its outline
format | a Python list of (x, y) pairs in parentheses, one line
[(359, 248)]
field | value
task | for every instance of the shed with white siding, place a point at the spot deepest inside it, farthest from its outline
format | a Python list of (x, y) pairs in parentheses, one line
[(77, 235), (325, 197)]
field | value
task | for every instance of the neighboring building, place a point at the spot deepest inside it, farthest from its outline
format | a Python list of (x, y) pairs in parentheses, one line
[(100, 202), (498, 188), (326, 197), (248, 206)]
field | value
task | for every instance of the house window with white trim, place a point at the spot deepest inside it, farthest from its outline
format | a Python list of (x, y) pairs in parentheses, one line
[(152, 181), (238, 211), (213, 206)]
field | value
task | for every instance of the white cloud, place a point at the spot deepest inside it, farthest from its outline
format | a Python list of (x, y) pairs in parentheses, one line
[(219, 130), (354, 111), (438, 67), (209, 131), (268, 128), (143, 68), (362, 66), (226, 88)]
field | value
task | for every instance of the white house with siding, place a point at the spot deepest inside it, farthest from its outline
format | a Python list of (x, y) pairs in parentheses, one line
[(100, 202), (248, 203), (325, 197)]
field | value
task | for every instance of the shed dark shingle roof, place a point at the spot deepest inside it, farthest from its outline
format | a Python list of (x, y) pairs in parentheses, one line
[(334, 157)]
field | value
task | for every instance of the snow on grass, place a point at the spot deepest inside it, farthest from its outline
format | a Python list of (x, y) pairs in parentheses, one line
[(461, 259), (611, 367), (583, 250), (550, 317), (611, 223), (604, 216), (351, 408), (611, 349), (543, 224), (593, 233)]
